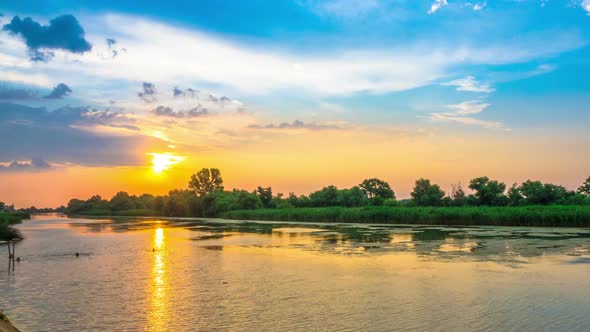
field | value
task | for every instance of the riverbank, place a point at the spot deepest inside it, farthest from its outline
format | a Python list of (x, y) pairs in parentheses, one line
[(550, 216), (5, 324), (6, 220)]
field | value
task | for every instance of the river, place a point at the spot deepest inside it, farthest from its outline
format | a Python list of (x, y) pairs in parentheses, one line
[(214, 275)]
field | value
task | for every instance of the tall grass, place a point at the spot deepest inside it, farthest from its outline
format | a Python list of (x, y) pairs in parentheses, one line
[(553, 216)]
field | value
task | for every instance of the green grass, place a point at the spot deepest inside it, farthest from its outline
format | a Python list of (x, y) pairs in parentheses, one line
[(124, 213), (553, 216)]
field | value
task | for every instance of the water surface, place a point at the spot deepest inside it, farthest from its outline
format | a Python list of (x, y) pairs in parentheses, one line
[(212, 275)]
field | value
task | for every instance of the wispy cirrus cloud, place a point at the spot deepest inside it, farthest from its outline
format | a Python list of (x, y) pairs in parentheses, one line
[(463, 113), (469, 83)]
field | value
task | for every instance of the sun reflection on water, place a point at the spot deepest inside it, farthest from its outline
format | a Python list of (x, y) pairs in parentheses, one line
[(158, 315)]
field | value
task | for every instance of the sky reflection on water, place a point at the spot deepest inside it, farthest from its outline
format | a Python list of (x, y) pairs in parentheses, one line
[(186, 275)]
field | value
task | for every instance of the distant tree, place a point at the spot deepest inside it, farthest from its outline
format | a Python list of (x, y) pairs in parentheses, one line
[(427, 194), (515, 196), (458, 195), (327, 196), (265, 195), (352, 197), (121, 201), (205, 181), (488, 192), (377, 190), (75, 205), (2, 205), (585, 187)]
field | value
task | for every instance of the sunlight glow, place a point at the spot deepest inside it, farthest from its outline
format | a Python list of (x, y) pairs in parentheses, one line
[(164, 161)]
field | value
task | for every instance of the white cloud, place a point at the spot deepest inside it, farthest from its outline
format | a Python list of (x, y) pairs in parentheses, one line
[(199, 58), (342, 8), (468, 107), (461, 114), (470, 84), (436, 5), (586, 6)]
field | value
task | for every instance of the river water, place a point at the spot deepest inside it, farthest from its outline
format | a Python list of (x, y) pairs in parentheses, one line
[(214, 275)]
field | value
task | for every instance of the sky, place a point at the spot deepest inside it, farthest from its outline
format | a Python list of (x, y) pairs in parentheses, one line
[(102, 96)]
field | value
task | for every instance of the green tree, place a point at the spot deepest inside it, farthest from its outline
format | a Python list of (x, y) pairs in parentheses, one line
[(327, 196), (352, 197), (515, 196), (585, 187), (537, 193), (265, 195), (205, 181), (427, 194), (377, 190), (488, 192), (2, 205), (121, 201), (458, 195)]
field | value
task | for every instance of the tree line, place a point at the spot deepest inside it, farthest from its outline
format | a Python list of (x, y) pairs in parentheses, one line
[(206, 196)]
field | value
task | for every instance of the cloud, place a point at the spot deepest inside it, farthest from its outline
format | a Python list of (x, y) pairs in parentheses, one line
[(476, 6), (468, 107), (470, 84), (177, 92), (192, 113), (297, 124), (436, 5), (462, 110), (64, 135), (63, 33), (586, 6), (61, 90), (35, 164), (9, 93), (149, 92), (342, 8)]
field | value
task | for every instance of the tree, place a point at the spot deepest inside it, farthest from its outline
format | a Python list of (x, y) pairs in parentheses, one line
[(265, 195), (426, 194), (327, 196), (352, 197), (2, 205), (377, 190), (488, 192), (458, 195), (515, 196), (121, 201), (585, 187), (205, 181)]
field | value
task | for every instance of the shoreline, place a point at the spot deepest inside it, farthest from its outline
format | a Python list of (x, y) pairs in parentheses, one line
[(530, 216), (6, 324)]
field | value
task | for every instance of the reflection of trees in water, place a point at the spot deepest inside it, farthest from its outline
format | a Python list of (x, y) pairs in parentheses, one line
[(440, 242)]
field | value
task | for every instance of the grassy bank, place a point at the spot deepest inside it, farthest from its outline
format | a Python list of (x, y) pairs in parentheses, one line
[(552, 216), (7, 219), (124, 213)]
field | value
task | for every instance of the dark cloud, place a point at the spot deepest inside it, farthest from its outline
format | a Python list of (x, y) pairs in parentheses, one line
[(149, 92), (35, 164), (10, 93), (297, 124), (61, 90), (58, 135), (63, 32), (112, 45), (169, 112), (192, 93)]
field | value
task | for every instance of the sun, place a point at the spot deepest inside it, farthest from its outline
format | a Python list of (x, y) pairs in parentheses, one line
[(164, 161)]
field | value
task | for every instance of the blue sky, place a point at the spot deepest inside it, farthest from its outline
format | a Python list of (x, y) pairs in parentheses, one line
[(251, 74)]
